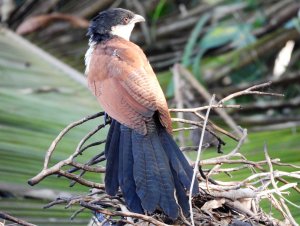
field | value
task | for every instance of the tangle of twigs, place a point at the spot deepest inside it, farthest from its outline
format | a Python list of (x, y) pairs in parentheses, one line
[(219, 202)]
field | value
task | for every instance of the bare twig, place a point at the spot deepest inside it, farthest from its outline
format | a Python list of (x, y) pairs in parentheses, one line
[(79, 148), (207, 129), (6, 216), (234, 106), (198, 160), (251, 91), (92, 145), (88, 168), (123, 214), (197, 85), (62, 133), (282, 199), (80, 210)]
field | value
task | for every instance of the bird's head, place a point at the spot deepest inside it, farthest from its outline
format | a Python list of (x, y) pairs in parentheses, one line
[(116, 21)]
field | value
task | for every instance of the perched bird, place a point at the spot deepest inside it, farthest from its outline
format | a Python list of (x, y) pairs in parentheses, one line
[(142, 158)]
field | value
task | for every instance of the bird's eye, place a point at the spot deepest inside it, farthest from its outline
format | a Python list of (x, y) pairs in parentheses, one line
[(126, 20)]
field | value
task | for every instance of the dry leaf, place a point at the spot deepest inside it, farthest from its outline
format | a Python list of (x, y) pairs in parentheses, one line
[(212, 204), (35, 23)]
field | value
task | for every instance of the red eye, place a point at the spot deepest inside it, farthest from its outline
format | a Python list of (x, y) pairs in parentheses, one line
[(126, 20)]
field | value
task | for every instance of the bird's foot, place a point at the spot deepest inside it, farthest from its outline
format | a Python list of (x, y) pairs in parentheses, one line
[(107, 119)]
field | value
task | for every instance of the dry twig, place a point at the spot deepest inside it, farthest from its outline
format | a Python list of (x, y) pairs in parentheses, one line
[(8, 217), (198, 159)]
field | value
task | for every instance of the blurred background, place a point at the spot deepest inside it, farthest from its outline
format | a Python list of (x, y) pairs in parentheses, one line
[(225, 45)]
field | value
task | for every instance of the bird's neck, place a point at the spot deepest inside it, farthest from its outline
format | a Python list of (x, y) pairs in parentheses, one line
[(97, 38), (122, 31)]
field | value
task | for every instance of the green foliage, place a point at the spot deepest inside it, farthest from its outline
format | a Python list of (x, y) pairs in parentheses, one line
[(159, 9), (29, 121), (239, 35), (191, 44), (189, 48)]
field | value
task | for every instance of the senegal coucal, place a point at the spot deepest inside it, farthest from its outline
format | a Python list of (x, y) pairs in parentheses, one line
[(142, 158)]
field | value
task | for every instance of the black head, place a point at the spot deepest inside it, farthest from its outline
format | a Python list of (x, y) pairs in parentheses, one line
[(111, 22)]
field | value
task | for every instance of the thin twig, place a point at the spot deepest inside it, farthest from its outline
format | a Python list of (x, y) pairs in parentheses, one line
[(250, 91), (63, 132), (8, 217), (88, 168), (203, 108), (185, 128), (203, 92), (74, 215), (207, 129), (81, 180), (282, 199), (92, 145), (198, 160), (79, 148), (123, 214)]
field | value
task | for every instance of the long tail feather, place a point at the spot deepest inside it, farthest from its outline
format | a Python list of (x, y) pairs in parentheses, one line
[(181, 195), (109, 136), (126, 179), (167, 201), (145, 172), (112, 160), (178, 161)]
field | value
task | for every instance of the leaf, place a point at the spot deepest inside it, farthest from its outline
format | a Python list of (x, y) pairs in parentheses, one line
[(220, 35), (213, 204), (189, 47), (158, 10), (243, 36), (215, 37)]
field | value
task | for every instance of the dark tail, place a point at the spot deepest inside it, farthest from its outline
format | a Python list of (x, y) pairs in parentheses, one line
[(150, 169)]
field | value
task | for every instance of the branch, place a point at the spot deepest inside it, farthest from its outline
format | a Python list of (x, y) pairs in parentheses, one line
[(64, 132), (199, 124), (251, 91), (122, 213), (198, 159), (6, 216)]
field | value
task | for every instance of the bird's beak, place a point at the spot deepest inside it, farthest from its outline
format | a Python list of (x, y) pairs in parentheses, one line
[(137, 18)]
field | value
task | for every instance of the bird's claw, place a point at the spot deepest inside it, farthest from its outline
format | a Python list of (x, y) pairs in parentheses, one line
[(107, 119)]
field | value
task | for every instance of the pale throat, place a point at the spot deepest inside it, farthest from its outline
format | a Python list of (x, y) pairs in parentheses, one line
[(123, 31)]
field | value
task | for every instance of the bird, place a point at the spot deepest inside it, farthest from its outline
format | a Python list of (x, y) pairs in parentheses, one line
[(142, 158)]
